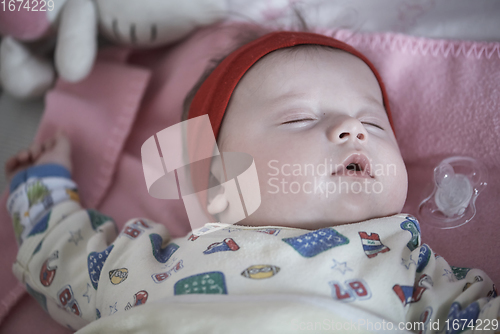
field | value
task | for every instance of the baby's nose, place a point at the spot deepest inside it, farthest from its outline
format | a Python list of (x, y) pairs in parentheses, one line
[(347, 129)]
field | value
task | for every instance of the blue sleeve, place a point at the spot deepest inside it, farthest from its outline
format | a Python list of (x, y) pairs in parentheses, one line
[(40, 171)]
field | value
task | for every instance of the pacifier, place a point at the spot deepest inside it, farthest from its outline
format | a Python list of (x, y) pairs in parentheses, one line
[(457, 184)]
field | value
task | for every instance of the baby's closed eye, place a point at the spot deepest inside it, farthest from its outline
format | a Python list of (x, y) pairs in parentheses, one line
[(308, 119), (373, 124), (297, 117), (298, 120)]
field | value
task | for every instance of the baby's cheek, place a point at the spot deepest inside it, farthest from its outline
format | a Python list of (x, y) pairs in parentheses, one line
[(284, 181), (397, 187)]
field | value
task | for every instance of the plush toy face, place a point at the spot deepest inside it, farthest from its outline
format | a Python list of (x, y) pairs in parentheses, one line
[(149, 23)]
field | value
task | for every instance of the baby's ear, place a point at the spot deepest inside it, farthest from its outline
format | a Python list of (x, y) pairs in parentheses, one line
[(218, 204), (217, 196)]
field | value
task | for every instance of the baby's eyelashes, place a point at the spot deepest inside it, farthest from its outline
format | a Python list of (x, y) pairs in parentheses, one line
[(299, 120), (309, 119), (302, 119), (373, 124)]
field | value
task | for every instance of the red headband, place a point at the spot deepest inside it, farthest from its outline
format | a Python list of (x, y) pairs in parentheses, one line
[(213, 96)]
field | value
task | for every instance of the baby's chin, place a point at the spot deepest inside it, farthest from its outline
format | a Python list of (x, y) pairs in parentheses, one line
[(316, 212)]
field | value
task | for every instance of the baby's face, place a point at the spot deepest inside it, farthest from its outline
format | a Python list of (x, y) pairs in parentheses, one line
[(304, 115)]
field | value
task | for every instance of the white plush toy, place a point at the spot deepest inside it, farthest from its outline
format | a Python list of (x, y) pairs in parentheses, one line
[(136, 23)]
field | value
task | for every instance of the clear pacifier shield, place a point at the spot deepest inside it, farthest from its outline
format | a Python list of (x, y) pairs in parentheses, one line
[(457, 184)]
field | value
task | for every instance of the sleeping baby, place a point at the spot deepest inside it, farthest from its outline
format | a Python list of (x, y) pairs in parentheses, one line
[(294, 101)]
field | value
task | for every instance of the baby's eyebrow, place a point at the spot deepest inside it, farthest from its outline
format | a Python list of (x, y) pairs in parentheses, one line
[(372, 104), (287, 96), (369, 104)]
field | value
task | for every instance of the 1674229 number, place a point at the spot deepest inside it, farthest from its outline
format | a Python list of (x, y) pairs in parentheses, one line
[(459, 325), (29, 5)]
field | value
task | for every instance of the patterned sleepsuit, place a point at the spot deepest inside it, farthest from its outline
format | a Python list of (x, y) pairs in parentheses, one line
[(77, 265)]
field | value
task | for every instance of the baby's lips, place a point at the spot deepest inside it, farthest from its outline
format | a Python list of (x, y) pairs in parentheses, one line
[(362, 162)]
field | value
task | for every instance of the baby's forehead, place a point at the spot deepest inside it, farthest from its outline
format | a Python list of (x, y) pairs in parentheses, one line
[(311, 54), (295, 68)]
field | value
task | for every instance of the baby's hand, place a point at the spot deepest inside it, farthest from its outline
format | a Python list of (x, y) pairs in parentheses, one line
[(54, 150)]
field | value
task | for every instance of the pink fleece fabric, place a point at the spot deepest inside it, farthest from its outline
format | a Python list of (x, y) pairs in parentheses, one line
[(24, 24), (444, 98)]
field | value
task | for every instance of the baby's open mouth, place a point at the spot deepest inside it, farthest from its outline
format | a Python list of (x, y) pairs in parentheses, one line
[(356, 165)]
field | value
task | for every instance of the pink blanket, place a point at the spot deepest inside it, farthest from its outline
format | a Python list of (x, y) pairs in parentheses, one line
[(444, 96)]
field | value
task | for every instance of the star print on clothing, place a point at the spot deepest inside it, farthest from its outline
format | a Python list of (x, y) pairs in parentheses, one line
[(409, 262), (449, 274), (95, 261), (86, 294), (75, 237), (315, 242), (341, 266), (113, 309)]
